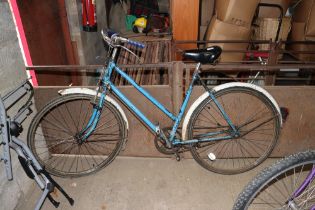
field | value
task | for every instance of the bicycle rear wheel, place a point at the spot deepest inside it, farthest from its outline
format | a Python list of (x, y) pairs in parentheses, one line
[(274, 187), (253, 114), (53, 136)]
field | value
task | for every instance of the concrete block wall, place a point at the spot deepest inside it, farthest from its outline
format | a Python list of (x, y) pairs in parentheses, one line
[(12, 72), (90, 46)]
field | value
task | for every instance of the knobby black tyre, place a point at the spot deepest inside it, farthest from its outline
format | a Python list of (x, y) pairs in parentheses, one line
[(273, 187), (253, 114), (53, 136)]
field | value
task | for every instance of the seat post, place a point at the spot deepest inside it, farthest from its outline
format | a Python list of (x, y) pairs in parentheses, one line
[(196, 73), (197, 68)]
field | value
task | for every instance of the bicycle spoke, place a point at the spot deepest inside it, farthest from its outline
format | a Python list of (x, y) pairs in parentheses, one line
[(253, 116), (57, 142)]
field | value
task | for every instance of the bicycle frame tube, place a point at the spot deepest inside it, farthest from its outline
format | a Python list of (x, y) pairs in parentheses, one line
[(90, 127), (107, 84), (184, 105), (145, 93), (226, 117), (305, 184), (132, 107)]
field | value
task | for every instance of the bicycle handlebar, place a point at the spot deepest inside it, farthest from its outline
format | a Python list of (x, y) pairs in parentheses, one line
[(136, 44), (112, 38)]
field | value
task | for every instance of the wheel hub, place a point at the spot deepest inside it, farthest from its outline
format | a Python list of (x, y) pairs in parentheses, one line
[(79, 138)]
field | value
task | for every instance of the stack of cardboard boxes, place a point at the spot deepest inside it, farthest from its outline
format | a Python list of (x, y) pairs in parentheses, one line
[(232, 21), (303, 29)]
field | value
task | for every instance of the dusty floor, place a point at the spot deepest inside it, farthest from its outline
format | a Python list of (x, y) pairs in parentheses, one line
[(149, 184)]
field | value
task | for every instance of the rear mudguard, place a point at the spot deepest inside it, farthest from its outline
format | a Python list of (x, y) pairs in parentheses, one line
[(222, 87), (93, 92)]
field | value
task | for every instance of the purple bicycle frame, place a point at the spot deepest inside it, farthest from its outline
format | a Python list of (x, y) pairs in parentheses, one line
[(304, 185)]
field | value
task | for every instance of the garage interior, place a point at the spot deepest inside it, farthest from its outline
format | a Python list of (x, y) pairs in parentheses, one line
[(269, 43)]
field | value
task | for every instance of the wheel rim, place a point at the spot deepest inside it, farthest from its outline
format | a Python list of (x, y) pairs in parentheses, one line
[(241, 154), (56, 143)]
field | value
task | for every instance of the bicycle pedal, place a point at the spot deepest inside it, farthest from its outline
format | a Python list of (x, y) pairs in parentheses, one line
[(177, 156)]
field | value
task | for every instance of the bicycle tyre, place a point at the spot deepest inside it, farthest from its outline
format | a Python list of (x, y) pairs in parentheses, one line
[(52, 136), (273, 179), (242, 104)]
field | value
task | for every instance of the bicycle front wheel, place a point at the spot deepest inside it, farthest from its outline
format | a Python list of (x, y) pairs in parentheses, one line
[(275, 186), (53, 136), (254, 116)]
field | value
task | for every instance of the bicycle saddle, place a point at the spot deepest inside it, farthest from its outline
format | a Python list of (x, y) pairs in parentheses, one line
[(204, 56)]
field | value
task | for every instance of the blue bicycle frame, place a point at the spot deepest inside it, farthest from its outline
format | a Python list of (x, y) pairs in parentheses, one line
[(107, 84)]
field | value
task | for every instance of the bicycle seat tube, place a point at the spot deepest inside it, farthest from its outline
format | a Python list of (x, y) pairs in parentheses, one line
[(226, 117)]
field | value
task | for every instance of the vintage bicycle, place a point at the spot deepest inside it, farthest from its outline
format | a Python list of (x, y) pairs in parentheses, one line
[(229, 129), (287, 184), (10, 129)]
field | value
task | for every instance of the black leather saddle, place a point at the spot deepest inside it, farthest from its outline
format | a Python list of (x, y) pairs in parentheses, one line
[(204, 56)]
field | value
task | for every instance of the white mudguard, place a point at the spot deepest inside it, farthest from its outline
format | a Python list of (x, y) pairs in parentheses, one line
[(221, 87), (93, 92)]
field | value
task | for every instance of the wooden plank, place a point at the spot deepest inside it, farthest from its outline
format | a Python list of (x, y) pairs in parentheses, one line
[(147, 60), (140, 70), (177, 85), (297, 133), (125, 61), (155, 72)]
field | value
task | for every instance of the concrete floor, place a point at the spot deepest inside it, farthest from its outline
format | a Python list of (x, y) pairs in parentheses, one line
[(149, 184)]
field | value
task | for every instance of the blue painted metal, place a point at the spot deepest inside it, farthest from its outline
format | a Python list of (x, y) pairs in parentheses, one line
[(226, 117), (88, 130), (93, 121), (129, 104), (180, 142), (146, 94), (212, 133), (183, 108), (106, 82)]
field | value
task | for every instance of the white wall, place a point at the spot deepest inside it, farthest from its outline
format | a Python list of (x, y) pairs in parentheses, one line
[(12, 72)]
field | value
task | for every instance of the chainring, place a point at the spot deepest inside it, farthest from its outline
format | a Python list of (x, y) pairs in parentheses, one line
[(160, 144)]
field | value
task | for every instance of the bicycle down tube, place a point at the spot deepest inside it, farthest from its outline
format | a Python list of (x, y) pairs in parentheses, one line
[(107, 84)]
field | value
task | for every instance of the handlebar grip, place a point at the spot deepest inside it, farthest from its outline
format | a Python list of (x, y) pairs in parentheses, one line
[(110, 33), (136, 44)]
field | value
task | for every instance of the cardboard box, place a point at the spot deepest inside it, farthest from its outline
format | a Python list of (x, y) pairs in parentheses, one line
[(238, 12), (271, 12), (219, 30), (206, 12), (297, 34)]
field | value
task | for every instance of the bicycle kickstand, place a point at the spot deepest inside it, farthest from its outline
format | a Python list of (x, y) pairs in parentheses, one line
[(50, 185)]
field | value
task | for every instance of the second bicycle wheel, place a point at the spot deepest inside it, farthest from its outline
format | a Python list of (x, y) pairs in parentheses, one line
[(253, 115), (279, 186), (53, 136)]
